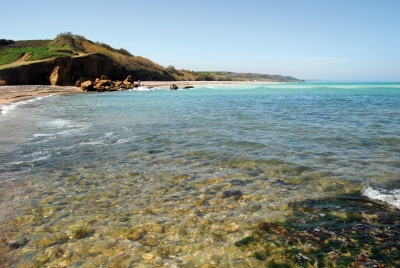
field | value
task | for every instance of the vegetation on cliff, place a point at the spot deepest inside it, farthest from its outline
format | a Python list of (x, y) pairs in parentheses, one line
[(16, 53), (36, 50)]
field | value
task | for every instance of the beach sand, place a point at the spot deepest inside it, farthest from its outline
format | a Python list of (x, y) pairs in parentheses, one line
[(22, 92), (18, 93)]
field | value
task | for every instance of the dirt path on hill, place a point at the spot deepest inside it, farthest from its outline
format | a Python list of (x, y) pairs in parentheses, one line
[(20, 61), (23, 58)]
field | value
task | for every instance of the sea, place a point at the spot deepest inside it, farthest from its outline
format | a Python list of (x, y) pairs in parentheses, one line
[(151, 177)]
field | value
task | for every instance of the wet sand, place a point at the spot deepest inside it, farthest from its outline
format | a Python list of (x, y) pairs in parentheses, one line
[(18, 93)]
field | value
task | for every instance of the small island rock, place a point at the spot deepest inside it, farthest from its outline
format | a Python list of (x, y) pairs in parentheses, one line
[(173, 87)]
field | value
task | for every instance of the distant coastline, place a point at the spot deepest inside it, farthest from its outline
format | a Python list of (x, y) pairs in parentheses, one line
[(15, 93)]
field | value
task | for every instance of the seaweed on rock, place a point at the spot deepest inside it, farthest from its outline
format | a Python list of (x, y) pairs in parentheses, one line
[(343, 231)]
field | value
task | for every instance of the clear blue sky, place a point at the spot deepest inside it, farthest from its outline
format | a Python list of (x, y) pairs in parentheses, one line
[(309, 39)]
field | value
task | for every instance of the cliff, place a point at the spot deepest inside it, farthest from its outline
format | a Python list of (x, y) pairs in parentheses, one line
[(69, 58), (65, 71)]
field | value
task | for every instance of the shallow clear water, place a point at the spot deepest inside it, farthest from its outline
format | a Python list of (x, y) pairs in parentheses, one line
[(158, 162)]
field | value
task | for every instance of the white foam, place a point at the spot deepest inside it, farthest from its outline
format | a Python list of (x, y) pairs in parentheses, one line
[(5, 109), (37, 157), (93, 142), (108, 134), (66, 128), (13, 179), (391, 197), (125, 140), (145, 88), (39, 135), (59, 123)]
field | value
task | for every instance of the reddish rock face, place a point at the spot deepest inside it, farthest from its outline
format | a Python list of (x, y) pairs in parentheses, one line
[(66, 71), (61, 71)]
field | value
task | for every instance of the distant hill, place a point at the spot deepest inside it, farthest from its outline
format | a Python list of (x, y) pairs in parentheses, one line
[(232, 76), (71, 57)]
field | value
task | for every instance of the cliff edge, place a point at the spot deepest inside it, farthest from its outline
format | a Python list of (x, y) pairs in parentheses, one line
[(65, 71)]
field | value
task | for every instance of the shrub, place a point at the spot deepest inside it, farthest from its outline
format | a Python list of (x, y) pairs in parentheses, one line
[(205, 77), (125, 52), (4, 42), (64, 39), (171, 68), (64, 50)]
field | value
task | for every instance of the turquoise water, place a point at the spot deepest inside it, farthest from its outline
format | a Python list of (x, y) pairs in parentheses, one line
[(159, 161)]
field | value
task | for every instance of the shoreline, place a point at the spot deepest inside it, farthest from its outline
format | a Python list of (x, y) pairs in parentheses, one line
[(16, 93), (10, 94), (154, 189)]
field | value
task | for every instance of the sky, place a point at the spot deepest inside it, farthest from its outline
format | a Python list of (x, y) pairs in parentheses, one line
[(342, 40)]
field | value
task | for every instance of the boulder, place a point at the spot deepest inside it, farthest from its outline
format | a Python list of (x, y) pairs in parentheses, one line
[(19, 243), (118, 84), (173, 87), (79, 82), (229, 193), (126, 83), (128, 79), (104, 85), (87, 86)]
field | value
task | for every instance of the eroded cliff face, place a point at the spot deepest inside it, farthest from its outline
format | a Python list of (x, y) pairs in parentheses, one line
[(65, 71)]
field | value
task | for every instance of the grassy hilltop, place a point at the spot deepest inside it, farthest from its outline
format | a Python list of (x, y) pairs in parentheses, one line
[(17, 53)]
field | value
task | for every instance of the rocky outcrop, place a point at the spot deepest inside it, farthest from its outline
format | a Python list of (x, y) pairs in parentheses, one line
[(103, 84), (173, 87), (128, 80), (72, 71)]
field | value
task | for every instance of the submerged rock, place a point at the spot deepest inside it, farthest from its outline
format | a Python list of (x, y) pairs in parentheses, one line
[(235, 193), (344, 231), (148, 256), (19, 243)]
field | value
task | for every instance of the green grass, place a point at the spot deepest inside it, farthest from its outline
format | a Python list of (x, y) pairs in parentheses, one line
[(211, 73), (9, 55)]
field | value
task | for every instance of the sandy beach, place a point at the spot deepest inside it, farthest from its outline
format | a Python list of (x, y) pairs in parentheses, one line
[(21, 92), (188, 83), (18, 93)]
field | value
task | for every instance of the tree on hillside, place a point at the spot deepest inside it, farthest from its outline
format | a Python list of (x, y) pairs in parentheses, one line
[(4, 42), (64, 39)]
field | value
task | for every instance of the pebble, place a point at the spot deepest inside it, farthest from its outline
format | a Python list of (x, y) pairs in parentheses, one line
[(148, 256), (228, 193), (18, 243)]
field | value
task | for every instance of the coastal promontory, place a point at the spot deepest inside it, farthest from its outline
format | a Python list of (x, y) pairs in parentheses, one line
[(70, 58)]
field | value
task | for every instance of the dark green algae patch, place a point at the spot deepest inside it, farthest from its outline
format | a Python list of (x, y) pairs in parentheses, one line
[(342, 231)]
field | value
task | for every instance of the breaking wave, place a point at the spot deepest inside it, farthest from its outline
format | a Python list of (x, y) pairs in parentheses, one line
[(391, 197)]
